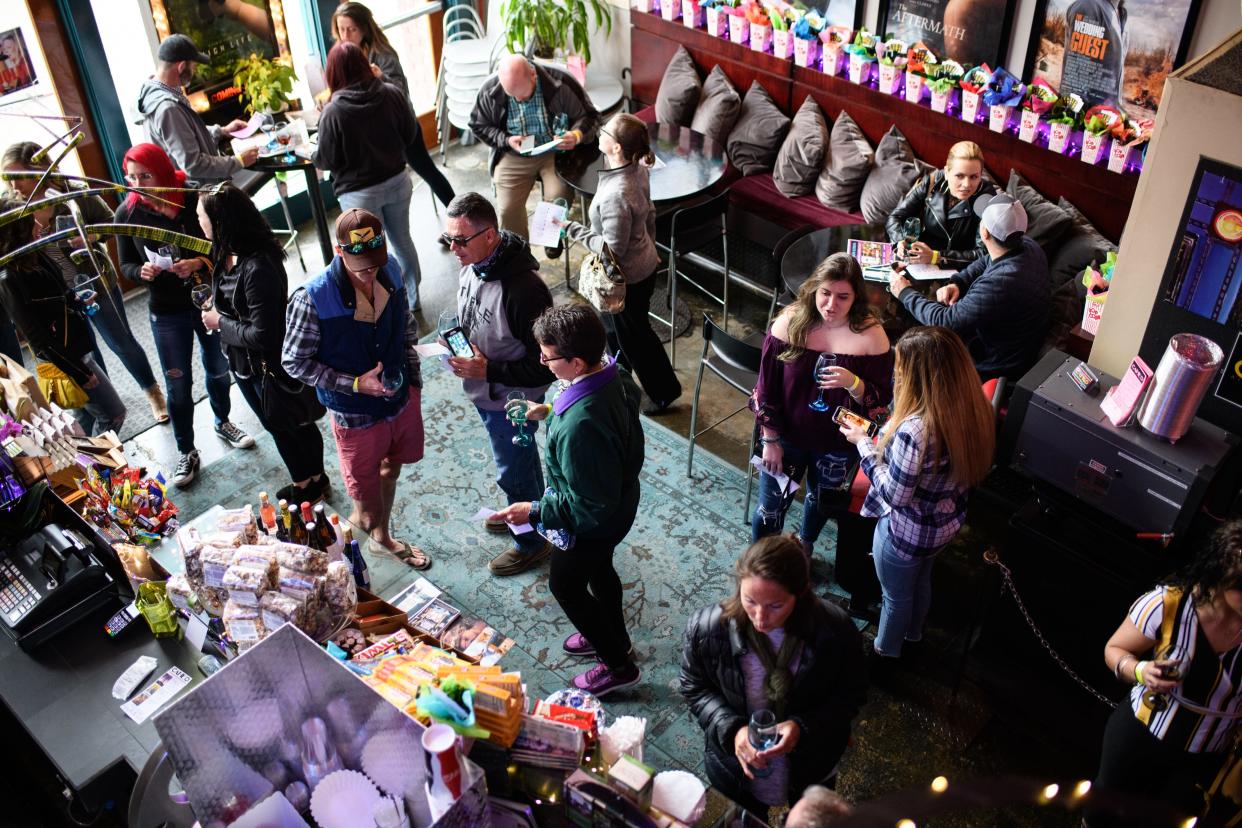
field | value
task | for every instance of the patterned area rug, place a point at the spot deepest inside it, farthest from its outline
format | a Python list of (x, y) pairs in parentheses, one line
[(676, 559)]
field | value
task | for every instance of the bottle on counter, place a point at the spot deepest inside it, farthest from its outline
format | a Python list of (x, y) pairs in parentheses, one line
[(284, 521), (362, 575), (267, 514), (337, 548)]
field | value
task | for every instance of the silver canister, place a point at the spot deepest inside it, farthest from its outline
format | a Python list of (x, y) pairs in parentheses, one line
[(1185, 372)]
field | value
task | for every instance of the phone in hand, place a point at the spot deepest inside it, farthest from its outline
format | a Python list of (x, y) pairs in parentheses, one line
[(458, 343), (843, 416)]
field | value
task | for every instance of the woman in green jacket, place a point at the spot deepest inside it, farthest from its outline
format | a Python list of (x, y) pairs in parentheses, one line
[(594, 452)]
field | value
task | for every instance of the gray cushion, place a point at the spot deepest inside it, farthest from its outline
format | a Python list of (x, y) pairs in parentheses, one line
[(679, 90), (1079, 247), (895, 172), (1046, 222), (756, 137), (718, 107), (849, 161), (802, 155)]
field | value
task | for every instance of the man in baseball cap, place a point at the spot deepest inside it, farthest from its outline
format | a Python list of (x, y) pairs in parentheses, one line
[(172, 124), (351, 336), (1000, 304)]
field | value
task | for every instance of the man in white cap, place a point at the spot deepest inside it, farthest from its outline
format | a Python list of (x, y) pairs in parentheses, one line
[(173, 125), (1000, 304)]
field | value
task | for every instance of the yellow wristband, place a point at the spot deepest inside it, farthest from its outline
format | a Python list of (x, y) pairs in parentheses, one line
[(1138, 672), (356, 384), (935, 257), (854, 384)]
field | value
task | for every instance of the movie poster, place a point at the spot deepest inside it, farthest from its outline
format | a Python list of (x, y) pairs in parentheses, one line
[(1112, 51), (16, 70), (225, 32), (968, 31)]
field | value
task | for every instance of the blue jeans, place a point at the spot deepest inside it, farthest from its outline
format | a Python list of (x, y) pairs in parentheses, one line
[(390, 201), (104, 409), (174, 342), (828, 479), (113, 328), (906, 584), (518, 470)]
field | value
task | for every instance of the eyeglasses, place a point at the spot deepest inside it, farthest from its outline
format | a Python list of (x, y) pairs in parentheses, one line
[(146, 176), (603, 131), (370, 244), (545, 359), (461, 241)]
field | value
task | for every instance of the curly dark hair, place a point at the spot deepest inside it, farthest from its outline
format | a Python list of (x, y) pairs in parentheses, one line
[(574, 330), (1218, 567)]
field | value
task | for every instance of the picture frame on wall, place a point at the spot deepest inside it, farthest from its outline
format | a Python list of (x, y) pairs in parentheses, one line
[(226, 33), (16, 70), (1111, 52), (971, 32), (844, 13)]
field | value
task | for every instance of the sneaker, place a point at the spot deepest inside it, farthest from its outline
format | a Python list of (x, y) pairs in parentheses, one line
[(234, 436), (513, 561), (599, 680), (495, 524), (187, 467), (577, 645)]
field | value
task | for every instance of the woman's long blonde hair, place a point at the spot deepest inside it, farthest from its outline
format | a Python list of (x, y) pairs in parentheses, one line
[(934, 378), (804, 316)]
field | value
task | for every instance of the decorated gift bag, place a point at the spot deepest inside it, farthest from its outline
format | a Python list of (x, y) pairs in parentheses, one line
[(862, 57), (1040, 98), (835, 41), (891, 59), (973, 84), (1002, 95)]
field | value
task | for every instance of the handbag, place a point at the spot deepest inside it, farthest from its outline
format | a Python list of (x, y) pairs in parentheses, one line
[(57, 386), (285, 400), (601, 281)]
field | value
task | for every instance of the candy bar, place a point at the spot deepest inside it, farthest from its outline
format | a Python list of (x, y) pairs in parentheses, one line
[(302, 559)]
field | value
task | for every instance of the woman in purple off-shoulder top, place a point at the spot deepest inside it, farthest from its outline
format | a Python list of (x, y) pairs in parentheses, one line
[(829, 316)]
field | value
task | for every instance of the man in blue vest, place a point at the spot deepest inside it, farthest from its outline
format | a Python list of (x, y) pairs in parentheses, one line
[(351, 336)]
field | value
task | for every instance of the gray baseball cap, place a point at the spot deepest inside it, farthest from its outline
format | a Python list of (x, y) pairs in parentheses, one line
[(1003, 215), (177, 47)]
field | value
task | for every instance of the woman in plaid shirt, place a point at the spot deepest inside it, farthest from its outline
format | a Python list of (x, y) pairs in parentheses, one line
[(937, 444)]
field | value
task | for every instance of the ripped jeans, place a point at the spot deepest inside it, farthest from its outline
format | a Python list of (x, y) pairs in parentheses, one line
[(174, 343), (828, 479)]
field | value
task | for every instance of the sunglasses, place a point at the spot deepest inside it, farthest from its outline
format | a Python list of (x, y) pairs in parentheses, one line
[(370, 244), (461, 241)]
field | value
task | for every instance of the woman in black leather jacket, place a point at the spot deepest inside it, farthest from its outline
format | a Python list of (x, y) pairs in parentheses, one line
[(248, 310), (944, 202), (773, 645)]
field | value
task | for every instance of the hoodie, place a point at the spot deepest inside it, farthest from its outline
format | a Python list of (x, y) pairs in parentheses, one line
[(363, 133), (193, 146), (498, 300)]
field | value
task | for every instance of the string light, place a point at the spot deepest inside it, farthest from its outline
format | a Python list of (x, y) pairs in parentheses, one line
[(1190, 822), (1081, 789), (1049, 792), (906, 823), (940, 784)]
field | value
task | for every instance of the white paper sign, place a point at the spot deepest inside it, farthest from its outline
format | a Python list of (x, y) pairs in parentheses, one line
[(155, 695), (162, 262), (544, 229), (928, 272)]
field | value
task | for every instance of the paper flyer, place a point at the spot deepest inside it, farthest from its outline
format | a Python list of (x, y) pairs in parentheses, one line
[(544, 229), (155, 695)]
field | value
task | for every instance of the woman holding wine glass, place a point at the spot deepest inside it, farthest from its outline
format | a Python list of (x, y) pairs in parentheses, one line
[(175, 321), (825, 350), (935, 223), (247, 307), (774, 675)]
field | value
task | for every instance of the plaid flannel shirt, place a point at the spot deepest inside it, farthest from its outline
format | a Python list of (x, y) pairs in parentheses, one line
[(302, 346), (925, 508), (530, 117)]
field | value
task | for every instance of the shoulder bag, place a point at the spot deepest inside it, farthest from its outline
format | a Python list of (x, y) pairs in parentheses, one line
[(286, 400), (601, 282)]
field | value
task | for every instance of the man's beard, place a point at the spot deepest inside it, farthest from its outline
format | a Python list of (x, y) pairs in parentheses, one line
[(186, 76)]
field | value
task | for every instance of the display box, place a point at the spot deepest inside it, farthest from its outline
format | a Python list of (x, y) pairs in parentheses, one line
[(1060, 135), (670, 10), (972, 106), (945, 102), (1028, 127), (761, 37), (1122, 156), (717, 21), (861, 69), (836, 59), (1092, 313), (739, 29), (805, 52), (916, 88), (1000, 117), (1095, 147), (691, 14), (646, 6), (783, 43), (892, 78)]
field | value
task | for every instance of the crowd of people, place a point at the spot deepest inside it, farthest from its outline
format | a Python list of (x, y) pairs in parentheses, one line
[(343, 344)]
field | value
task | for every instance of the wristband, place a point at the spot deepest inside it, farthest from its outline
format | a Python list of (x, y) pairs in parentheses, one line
[(356, 384), (1138, 672), (935, 257), (854, 384)]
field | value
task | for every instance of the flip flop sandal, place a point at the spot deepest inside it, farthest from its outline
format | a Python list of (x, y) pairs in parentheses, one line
[(411, 556)]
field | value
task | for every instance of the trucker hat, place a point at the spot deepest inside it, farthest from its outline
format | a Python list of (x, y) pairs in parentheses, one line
[(1003, 215), (178, 47), (360, 235)]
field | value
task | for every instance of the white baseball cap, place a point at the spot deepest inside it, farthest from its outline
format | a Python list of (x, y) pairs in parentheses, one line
[(1003, 215)]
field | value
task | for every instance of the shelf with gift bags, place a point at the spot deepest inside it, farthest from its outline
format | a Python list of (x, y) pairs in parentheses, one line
[(834, 43), (1001, 96), (891, 59), (1038, 102), (919, 61), (862, 58)]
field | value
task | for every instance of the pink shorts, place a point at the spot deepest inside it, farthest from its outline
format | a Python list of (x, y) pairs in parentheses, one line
[(362, 450)]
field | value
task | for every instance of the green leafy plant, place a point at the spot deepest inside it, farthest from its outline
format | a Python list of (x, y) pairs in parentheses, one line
[(550, 24), (266, 84)]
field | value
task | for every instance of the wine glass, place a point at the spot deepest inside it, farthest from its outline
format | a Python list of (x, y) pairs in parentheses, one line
[(515, 410), (85, 293), (911, 229), (200, 295), (762, 735), (267, 123), (448, 320), (822, 364), (392, 378)]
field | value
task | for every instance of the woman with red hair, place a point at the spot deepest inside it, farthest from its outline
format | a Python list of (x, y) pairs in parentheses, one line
[(169, 273), (364, 133)]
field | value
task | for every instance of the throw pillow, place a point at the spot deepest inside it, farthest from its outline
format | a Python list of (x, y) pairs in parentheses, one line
[(718, 107), (756, 137), (802, 155), (849, 161), (679, 90), (1081, 246), (895, 172), (1046, 222)]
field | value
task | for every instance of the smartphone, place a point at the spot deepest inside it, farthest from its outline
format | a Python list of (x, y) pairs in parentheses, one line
[(458, 343), (843, 416)]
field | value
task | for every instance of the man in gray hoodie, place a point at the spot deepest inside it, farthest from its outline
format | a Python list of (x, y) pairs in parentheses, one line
[(499, 296), (173, 125)]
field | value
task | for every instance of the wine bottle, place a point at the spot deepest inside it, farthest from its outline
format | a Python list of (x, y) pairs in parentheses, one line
[(297, 528), (267, 514), (338, 541), (326, 536), (362, 575), (283, 524), (312, 536)]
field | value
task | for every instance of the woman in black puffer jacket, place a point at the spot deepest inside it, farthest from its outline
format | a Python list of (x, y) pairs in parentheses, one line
[(944, 202), (773, 645)]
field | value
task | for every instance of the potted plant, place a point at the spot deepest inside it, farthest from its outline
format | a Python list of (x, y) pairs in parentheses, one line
[(266, 84), (551, 24)]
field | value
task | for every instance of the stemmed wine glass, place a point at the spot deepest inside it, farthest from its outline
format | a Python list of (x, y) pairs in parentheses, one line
[(200, 295), (515, 410), (822, 364), (911, 229), (86, 294), (267, 123)]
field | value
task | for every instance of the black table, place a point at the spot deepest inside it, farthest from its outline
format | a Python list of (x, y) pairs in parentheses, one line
[(276, 164), (691, 164), (805, 254)]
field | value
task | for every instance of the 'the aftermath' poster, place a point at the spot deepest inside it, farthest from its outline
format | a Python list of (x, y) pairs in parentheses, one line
[(968, 31), (1112, 51)]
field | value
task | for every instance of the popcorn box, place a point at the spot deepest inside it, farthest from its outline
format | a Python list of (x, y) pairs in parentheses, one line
[(1092, 313), (691, 14), (805, 51), (647, 6), (835, 60), (861, 69), (916, 88), (1120, 155), (670, 10), (739, 29), (717, 22), (892, 78), (944, 101), (782, 43), (760, 37), (971, 104), (999, 117), (1059, 135), (1028, 129), (1095, 148)]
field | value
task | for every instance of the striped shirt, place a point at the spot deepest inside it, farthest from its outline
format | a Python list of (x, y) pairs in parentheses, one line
[(925, 508), (530, 117), (1212, 680)]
